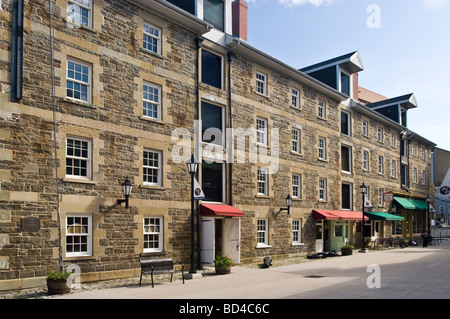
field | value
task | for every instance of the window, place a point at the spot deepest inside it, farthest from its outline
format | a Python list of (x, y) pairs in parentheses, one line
[(152, 168), (263, 182), (404, 175), (345, 83), (78, 235), (153, 234), (346, 159), (380, 165), (151, 96), (212, 181), (423, 153), (296, 140), (211, 69), (212, 124), (380, 134), (80, 12), (152, 39), (321, 110), (365, 128), (346, 196), (366, 160), (78, 158), (322, 148), (261, 131), (424, 177), (261, 83), (296, 186), (262, 233), (415, 175), (78, 82), (322, 189), (214, 13), (295, 98), (394, 168), (187, 5), (345, 123), (296, 231), (380, 197), (393, 143), (414, 148), (403, 147)]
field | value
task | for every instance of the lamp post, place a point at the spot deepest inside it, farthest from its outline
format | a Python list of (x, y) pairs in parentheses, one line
[(192, 169), (428, 199), (363, 189), (126, 188)]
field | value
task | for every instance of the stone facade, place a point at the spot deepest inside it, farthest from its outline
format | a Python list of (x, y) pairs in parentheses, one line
[(118, 135)]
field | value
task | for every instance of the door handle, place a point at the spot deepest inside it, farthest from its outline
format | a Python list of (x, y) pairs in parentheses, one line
[(237, 247)]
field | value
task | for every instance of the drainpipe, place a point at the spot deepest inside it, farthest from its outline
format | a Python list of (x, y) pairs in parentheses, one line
[(230, 114), (17, 52), (197, 116)]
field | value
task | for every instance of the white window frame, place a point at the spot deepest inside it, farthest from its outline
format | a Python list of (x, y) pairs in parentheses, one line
[(349, 123), (150, 229), (365, 128), (381, 165), (322, 148), (380, 135), (393, 168), (295, 98), (380, 197), (79, 6), (423, 154), (81, 82), (350, 159), (87, 234), (152, 99), (158, 168), (150, 33), (415, 175), (296, 140), (424, 177), (261, 131), (296, 186), (322, 189), (74, 158), (366, 160), (393, 140), (296, 232), (321, 109), (262, 184), (262, 233), (414, 150), (261, 83)]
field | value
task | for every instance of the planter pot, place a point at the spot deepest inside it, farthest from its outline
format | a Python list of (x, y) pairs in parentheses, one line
[(346, 251), (223, 271), (57, 286)]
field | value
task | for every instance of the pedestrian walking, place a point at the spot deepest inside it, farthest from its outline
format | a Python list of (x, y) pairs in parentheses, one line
[(425, 237)]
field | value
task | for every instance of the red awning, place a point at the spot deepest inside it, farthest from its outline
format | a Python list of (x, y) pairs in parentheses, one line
[(337, 215), (220, 210)]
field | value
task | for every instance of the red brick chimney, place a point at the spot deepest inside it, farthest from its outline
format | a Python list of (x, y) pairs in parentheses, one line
[(239, 13)]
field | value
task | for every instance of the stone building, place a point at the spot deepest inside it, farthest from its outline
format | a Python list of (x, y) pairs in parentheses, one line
[(97, 92)]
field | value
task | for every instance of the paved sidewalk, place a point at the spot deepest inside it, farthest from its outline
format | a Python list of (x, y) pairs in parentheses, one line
[(413, 272)]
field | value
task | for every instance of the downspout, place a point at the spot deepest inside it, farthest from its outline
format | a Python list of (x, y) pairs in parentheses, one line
[(52, 68), (230, 114), (17, 52), (196, 118)]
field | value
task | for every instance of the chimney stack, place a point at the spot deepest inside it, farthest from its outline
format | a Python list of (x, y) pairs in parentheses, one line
[(239, 13)]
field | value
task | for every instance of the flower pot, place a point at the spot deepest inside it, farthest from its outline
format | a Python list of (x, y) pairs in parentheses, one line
[(346, 251), (57, 286), (223, 271)]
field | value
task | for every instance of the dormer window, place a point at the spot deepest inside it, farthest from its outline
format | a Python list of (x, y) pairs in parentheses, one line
[(345, 83), (214, 12)]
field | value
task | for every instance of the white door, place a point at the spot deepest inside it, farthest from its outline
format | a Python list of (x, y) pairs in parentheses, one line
[(319, 236), (207, 241), (232, 239)]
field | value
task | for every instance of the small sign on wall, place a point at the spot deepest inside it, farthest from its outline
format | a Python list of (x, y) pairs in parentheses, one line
[(31, 224)]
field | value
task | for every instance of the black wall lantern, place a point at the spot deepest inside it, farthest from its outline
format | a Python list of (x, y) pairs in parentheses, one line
[(288, 204), (126, 188), (192, 166)]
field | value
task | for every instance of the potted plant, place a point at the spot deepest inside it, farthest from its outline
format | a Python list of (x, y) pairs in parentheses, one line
[(223, 264), (347, 249), (57, 282)]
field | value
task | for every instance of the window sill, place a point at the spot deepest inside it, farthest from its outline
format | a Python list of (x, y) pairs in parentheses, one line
[(156, 55), (263, 196), (75, 25), (155, 187), (322, 160), (322, 118), (151, 119), (263, 246), (296, 153), (81, 258), (262, 95), (77, 102), (80, 181), (297, 244)]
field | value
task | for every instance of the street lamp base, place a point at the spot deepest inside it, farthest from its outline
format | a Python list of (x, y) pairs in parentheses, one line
[(362, 251)]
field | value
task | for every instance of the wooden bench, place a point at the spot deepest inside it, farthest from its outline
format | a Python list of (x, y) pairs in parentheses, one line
[(159, 266)]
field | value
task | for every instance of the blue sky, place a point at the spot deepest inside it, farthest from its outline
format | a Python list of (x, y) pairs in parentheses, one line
[(406, 49)]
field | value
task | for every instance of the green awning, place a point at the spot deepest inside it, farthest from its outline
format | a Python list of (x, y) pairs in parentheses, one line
[(405, 203), (420, 204), (382, 216)]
